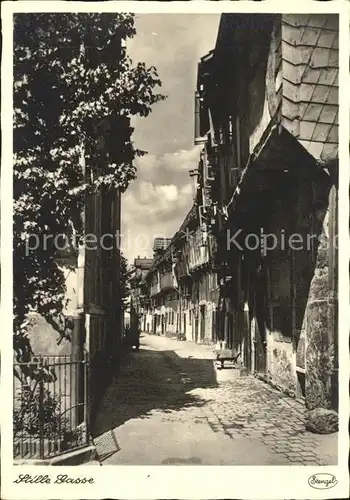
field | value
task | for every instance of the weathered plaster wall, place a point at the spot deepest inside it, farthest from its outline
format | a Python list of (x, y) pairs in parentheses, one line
[(280, 355), (188, 327), (299, 294), (259, 101), (148, 322), (171, 309), (209, 307), (43, 337), (281, 370), (320, 349), (162, 315), (280, 352)]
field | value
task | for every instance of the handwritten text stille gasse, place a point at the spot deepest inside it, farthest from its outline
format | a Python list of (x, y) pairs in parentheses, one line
[(59, 479)]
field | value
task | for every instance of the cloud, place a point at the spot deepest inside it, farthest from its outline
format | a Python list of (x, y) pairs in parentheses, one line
[(180, 42), (169, 168), (158, 201)]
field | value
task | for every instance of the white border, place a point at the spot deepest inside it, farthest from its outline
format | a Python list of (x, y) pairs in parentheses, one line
[(197, 482)]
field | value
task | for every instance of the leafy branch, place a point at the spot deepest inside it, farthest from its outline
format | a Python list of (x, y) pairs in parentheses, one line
[(75, 91)]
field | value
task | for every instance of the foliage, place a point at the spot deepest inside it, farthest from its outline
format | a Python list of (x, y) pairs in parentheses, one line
[(75, 90), (32, 367), (37, 413), (125, 274)]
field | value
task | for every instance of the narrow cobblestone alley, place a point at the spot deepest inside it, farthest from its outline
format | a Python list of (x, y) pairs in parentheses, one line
[(170, 406)]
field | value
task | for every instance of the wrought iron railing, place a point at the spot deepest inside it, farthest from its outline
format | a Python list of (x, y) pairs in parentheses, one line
[(50, 406)]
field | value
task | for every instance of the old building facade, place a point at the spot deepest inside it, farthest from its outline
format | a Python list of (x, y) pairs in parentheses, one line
[(182, 284), (254, 265), (140, 304), (269, 98), (162, 289)]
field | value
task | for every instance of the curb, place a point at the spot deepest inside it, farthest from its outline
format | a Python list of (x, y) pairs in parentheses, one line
[(76, 457)]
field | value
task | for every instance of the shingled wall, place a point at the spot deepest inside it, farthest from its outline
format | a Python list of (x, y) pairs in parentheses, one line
[(310, 82)]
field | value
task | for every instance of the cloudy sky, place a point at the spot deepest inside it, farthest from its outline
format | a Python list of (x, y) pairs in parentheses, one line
[(156, 203)]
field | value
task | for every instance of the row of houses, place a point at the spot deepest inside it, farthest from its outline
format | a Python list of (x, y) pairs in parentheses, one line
[(254, 265)]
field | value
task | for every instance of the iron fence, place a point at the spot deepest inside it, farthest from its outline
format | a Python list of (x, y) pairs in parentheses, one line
[(50, 406)]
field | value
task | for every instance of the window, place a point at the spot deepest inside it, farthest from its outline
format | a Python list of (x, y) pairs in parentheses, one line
[(230, 130), (221, 135)]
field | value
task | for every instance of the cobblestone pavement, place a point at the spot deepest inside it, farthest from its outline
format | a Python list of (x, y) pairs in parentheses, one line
[(169, 405)]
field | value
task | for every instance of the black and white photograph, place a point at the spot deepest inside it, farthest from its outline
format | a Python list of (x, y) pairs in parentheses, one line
[(176, 194)]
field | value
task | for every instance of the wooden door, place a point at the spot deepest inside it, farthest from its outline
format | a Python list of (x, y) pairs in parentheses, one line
[(202, 325), (247, 340), (260, 344)]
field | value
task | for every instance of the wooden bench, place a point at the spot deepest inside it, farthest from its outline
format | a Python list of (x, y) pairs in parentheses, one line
[(227, 355)]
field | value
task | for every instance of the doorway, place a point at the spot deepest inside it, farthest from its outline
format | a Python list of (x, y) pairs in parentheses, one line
[(260, 345), (247, 339), (202, 324)]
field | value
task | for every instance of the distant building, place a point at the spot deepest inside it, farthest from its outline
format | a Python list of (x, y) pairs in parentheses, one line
[(161, 285), (160, 245), (140, 314), (182, 284)]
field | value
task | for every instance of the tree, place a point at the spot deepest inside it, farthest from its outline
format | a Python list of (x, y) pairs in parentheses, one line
[(71, 75), (125, 274)]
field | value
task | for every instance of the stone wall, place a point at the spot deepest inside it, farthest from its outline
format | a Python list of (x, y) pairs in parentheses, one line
[(321, 343), (280, 361)]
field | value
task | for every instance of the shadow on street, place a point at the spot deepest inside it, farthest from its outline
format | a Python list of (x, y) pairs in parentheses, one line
[(149, 380)]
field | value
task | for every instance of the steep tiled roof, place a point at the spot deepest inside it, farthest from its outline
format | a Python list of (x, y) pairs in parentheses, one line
[(310, 82)]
